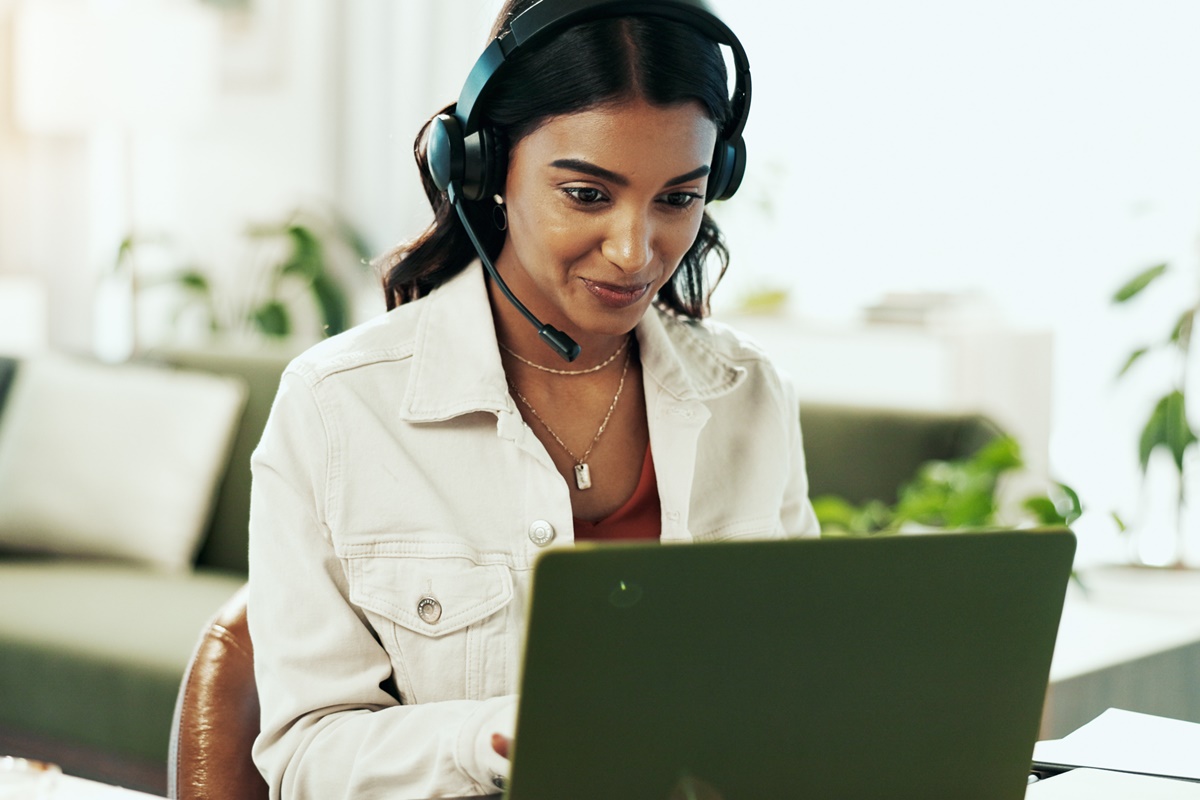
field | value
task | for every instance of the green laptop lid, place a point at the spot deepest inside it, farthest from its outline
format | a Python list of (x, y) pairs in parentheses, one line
[(894, 667)]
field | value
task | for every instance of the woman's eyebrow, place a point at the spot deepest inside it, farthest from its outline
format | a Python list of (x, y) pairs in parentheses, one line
[(698, 172), (588, 168)]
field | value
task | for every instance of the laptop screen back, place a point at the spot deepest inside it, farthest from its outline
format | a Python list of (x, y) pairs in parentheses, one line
[(896, 667)]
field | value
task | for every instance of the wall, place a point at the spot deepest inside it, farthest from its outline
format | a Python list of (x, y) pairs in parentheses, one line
[(1038, 151), (267, 146)]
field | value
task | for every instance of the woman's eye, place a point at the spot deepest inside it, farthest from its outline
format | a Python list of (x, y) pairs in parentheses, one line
[(585, 194), (681, 199)]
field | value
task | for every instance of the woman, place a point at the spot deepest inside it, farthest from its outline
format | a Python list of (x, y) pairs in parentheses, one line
[(414, 467)]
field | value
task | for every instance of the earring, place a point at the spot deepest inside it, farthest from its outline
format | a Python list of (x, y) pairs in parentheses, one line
[(499, 213)]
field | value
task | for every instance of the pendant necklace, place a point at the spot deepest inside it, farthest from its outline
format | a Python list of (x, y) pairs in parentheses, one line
[(583, 473)]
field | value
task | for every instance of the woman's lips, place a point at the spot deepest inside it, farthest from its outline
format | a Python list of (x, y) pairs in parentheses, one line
[(614, 295)]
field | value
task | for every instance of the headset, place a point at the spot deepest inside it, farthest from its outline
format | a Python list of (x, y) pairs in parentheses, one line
[(465, 158)]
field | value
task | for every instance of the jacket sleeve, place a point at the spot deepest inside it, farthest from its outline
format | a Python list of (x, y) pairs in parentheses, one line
[(797, 512), (330, 729)]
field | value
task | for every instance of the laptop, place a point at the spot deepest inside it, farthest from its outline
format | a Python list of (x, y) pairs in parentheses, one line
[(892, 667)]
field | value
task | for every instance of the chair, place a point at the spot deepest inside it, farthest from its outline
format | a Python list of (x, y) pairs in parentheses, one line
[(216, 715)]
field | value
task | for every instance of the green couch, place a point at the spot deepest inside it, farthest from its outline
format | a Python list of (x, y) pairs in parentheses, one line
[(92, 653), (862, 454)]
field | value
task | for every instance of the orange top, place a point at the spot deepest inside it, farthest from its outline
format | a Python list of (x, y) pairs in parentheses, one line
[(639, 518)]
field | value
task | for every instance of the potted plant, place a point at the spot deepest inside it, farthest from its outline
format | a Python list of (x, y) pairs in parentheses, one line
[(309, 258), (1168, 427), (950, 495)]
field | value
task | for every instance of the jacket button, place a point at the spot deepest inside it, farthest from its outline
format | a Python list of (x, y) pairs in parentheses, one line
[(541, 532), (429, 610)]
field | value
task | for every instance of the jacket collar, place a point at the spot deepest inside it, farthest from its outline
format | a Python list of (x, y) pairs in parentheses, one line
[(677, 355), (456, 359), (456, 367)]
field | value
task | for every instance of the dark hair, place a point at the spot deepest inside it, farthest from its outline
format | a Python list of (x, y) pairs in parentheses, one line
[(586, 66)]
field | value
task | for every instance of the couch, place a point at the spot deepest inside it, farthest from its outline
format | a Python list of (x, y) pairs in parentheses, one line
[(92, 651), (868, 453)]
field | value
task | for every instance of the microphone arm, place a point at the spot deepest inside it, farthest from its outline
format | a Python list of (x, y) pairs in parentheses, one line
[(558, 341)]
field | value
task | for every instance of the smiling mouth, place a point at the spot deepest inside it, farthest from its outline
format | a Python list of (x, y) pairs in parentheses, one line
[(614, 295)]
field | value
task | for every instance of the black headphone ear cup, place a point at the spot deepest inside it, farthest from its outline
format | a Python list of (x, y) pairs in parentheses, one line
[(497, 165), (728, 168), (483, 165), (474, 164), (444, 151)]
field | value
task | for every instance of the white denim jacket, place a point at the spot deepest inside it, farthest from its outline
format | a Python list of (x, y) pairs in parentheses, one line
[(399, 504)]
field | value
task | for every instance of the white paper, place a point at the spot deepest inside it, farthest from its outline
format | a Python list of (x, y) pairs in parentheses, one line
[(1129, 742), (1094, 784)]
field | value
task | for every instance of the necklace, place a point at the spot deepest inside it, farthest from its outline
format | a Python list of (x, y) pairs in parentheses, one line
[(587, 371), (583, 474)]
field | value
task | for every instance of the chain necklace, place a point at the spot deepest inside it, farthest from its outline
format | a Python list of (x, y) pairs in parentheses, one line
[(587, 371), (583, 474)]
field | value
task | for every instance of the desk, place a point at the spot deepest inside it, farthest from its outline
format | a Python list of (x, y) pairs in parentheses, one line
[(1132, 642)]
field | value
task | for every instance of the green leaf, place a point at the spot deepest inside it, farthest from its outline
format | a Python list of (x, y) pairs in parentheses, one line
[(195, 281), (1074, 508), (1121, 526), (961, 493), (1153, 434), (332, 302), (950, 495), (123, 251), (1060, 507), (1139, 282), (272, 319), (998, 456), (1133, 359), (1167, 427), (1180, 435), (1182, 332), (833, 511), (839, 517), (1044, 510), (307, 259)]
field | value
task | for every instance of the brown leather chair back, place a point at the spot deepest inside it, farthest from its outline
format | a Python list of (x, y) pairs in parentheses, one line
[(216, 715)]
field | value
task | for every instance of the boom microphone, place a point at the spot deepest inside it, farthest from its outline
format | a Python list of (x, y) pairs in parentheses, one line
[(558, 341)]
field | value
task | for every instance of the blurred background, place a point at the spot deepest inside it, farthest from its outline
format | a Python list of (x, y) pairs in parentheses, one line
[(942, 198)]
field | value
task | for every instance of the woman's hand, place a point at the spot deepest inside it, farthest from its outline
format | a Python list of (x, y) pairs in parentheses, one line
[(494, 728), (501, 744)]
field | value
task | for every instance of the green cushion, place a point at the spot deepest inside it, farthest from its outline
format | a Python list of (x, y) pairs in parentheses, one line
[(95, 652)]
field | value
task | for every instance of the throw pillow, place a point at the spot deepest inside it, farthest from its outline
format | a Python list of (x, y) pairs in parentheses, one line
[(119, 461)]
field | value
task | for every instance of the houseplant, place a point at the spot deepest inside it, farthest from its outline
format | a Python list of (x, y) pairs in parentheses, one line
[(309, 258), (1168, 426), (950, 495)]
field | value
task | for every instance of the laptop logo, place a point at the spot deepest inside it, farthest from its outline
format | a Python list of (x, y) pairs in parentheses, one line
[(625, 595), (690, 787)]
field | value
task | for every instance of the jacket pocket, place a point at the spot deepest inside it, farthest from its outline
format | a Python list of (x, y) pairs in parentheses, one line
[(444, 621)]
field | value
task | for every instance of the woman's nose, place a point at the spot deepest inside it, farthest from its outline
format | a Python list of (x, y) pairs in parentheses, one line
[(628, 242)]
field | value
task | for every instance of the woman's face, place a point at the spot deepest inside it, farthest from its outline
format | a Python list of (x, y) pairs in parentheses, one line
[(602, 206)]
